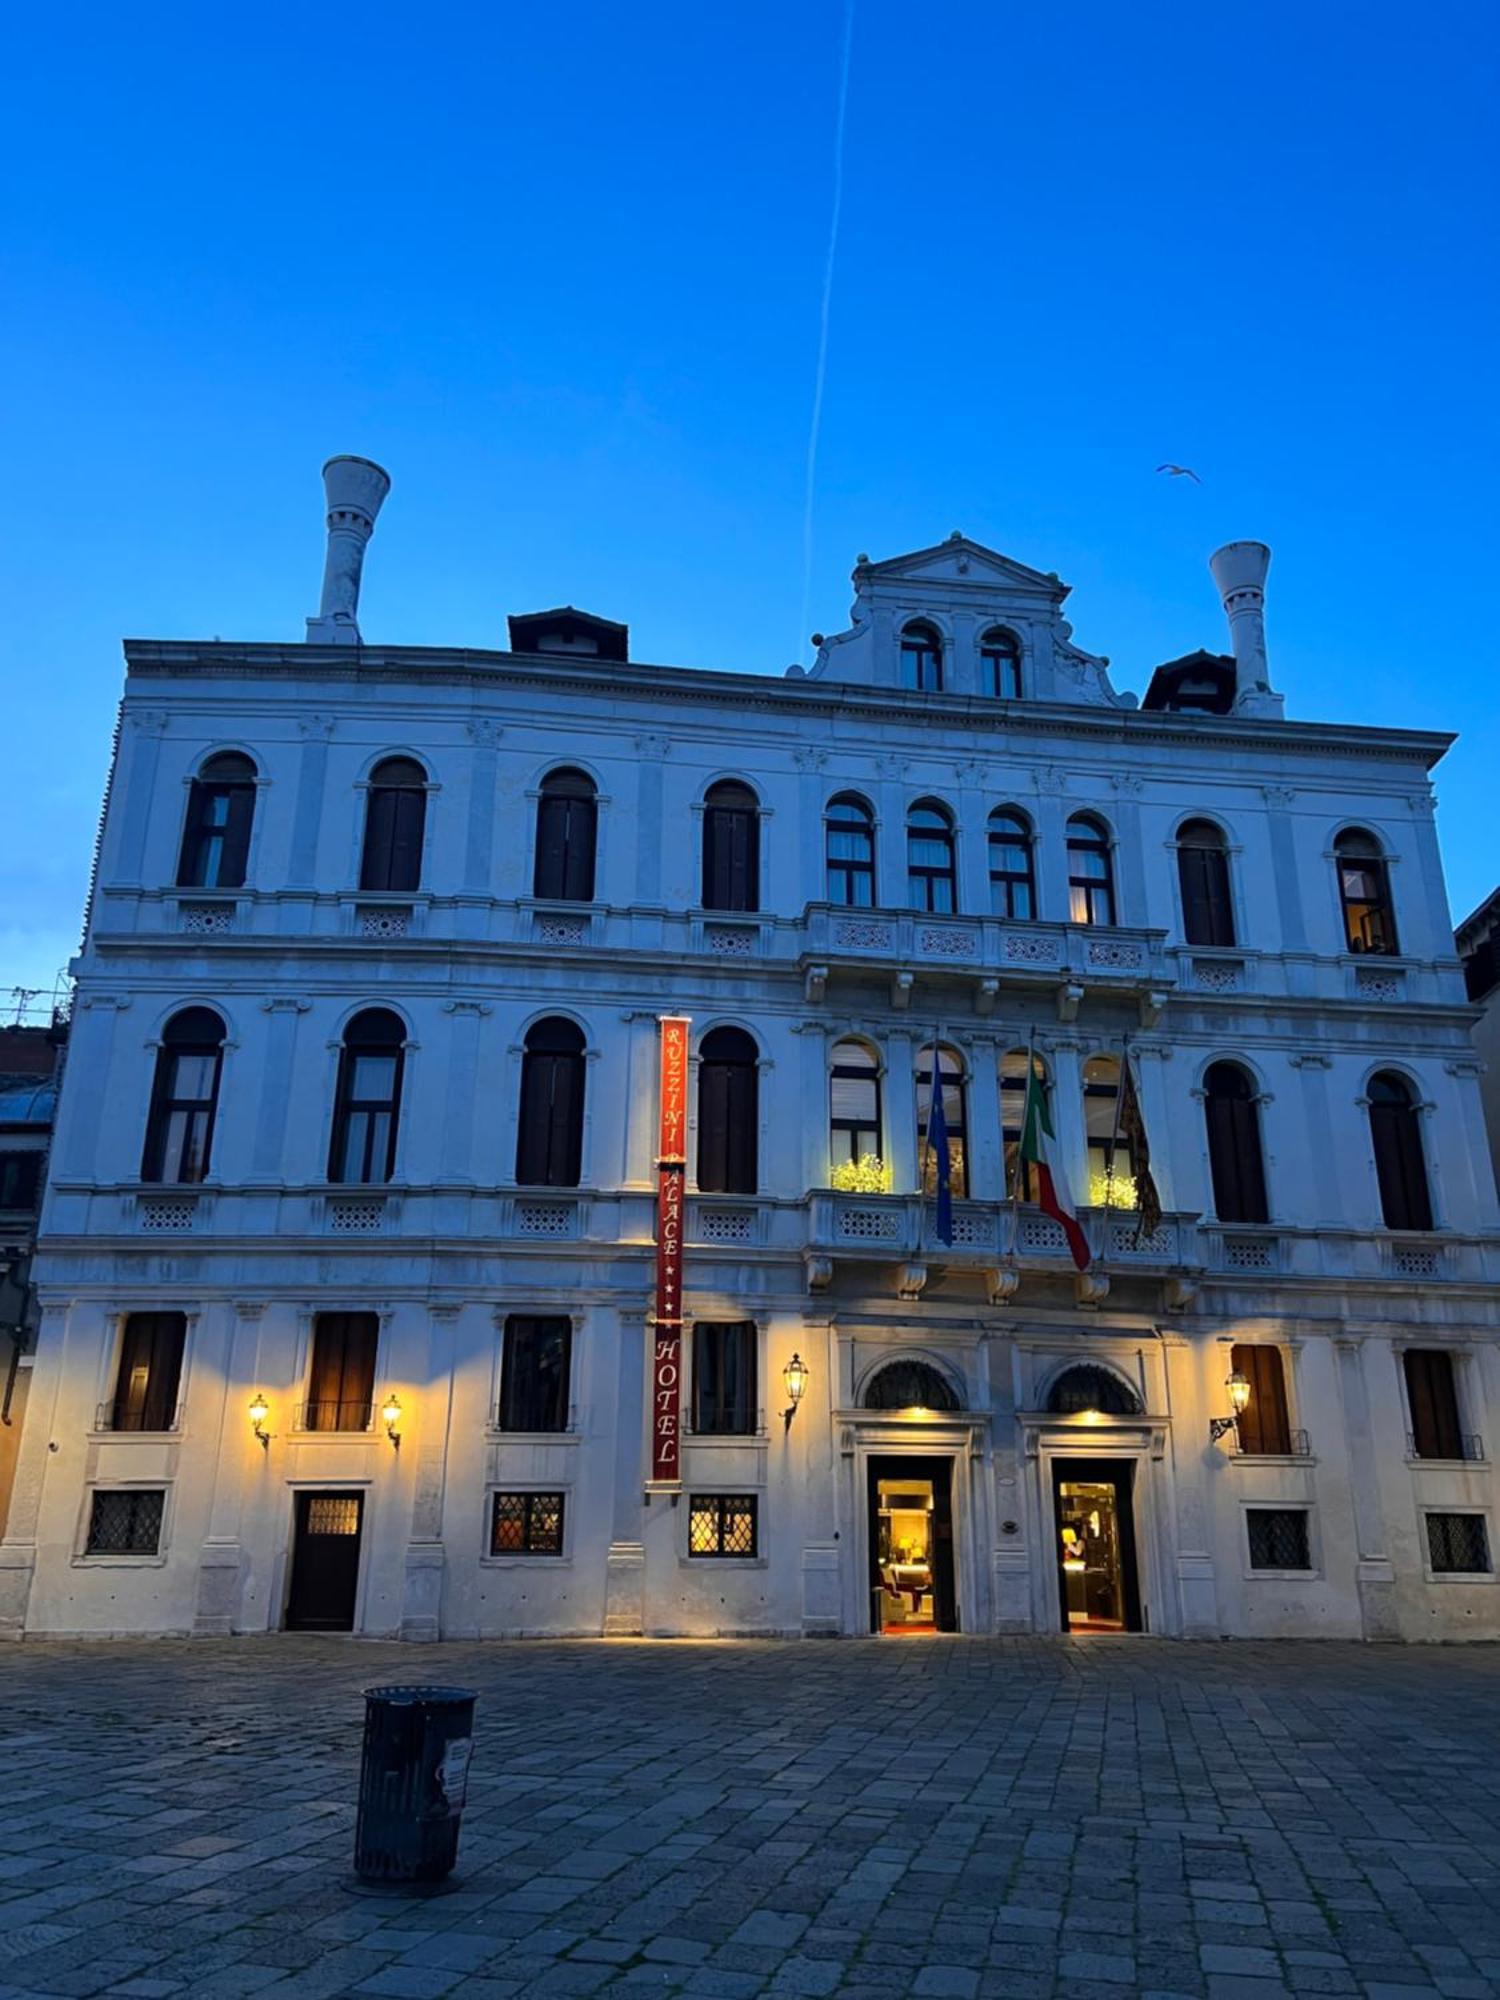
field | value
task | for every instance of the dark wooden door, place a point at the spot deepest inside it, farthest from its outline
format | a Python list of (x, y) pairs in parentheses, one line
[(325, 1562), (1118, 1473)]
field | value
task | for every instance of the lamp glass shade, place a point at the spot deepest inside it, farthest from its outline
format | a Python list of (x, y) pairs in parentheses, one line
[(260, 1409), (390, 1415), (795, 1377), (1239, 1393)]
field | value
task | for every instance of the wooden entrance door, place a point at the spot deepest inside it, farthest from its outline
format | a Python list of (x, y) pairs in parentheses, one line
[(325, 1562)]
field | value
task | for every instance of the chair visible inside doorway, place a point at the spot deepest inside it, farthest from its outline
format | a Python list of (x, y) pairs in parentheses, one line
[(1096, 1546), (911, 1548)]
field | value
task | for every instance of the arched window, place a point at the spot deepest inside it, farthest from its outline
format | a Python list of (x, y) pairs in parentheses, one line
[(1091, 880), (216, 839), (1265, 1422), (549, 1141), (1396, 1130), (368, 1103), (1365, 892), (1203, 873), (1000, 657), (1012, 1116), (395, 816), (910, 1385), (1109, 1185), (1234, 1156), (184, 1096), (850, 830), (931, 862), (566, 824), (731, 848), (854, 1123), (1012, 880), (728, 1114), (954, 1112), (1090, 1387), (922, 658)]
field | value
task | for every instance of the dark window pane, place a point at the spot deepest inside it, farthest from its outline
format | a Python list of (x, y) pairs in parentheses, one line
[(1458, 1544), (731, 848), (216, 838), (724, 1385), (149, 1373), (363, 1146), (126, 1523), (1090, 873), (1432, 1398), (534, 1374), (395, 819), (1265, 1425), (1400, 1166), (341, 1386), (1234, 1153), (1203, 872), (549, 1141), (728, 1113), (567, 825), (179, 1130), (527, 1524), (20, 1180), (1278, 1538)]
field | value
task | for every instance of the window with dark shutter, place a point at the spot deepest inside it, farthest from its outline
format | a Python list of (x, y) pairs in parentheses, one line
[(341, 1384), (216, 838), (728, 1113), (150, 1371), (731, 848), (1234, 1154), (367, 1102), (724, 1385), (20, 1180), (566, 834), (549, 1142), (184, 1098), (1265, 1424), (1432, 1399), (534, 1372), (395, 818), (1401, 1168), (1203, 873)]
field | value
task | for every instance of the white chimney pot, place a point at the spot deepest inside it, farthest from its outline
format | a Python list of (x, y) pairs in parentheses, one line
[(355, 489)]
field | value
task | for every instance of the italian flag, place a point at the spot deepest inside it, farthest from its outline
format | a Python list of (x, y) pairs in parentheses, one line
[(1039, 1151)]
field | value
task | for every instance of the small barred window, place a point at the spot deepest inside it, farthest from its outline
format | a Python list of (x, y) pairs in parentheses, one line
[(1279, 1538), (527, 1524), (1458, 1544), (722, 1524), (126, 1523)]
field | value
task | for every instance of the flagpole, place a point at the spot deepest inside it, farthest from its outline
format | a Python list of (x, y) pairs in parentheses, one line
[(1114, 1137)]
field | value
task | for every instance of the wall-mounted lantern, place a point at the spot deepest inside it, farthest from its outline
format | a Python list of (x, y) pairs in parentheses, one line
[(260, 1409), (1239, 1402), (390, 1416), (795, 1377)]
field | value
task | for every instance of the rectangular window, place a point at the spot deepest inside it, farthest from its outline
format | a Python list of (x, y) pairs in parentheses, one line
[(126, 1523), (20, 1180), (150, 1371), (341, 1388), (724, 1398), (534, 1373), (722, 1524), (527, 1524), (1278, 1538), (1458, 1544), (1432, 1398), (1265, 1426)]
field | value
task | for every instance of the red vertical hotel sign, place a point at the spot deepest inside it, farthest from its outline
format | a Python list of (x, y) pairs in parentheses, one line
[(666, 1340)]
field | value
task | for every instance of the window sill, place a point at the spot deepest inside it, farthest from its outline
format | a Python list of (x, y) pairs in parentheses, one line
[(158, 1561), (493, 1435), (1278, 1459), (526, 1562), (1461, 1576), (1283, 1575), (1450, 1464), (723, 1562), (726, 1437)]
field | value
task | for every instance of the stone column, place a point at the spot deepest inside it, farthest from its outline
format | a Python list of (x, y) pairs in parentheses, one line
[(1192, 1465), (91, 1072), (422, 1582), (973, 838), (1051, 848), (18, 1550), (625, 1565), (812, 792), (901, 1108), (812, 1428), (143, 728), (1374, 1570), (268, 1158), (986, 1146), (652, 752), (216, 1614), (463, 1096), (890, 858), (479, 841), (813, 1112), (1323, 1193), (1293, 922), (307, 811)]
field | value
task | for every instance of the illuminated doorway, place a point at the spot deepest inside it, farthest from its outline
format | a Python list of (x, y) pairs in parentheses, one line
[(1096, 1545), (912, 1590)]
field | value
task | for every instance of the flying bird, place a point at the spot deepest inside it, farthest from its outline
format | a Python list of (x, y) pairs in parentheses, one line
[(1181, 472)]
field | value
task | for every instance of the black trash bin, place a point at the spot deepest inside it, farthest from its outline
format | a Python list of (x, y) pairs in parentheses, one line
[(412, 1782)]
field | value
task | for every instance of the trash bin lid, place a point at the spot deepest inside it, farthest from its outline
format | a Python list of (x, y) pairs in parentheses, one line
[(411, 1695)]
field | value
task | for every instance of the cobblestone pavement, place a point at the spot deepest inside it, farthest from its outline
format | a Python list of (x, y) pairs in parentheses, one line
[(945, 1818)]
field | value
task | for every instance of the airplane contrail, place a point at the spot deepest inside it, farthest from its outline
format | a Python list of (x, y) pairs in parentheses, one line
[(822, 368)]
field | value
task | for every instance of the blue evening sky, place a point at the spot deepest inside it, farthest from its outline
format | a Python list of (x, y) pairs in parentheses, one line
[(560, 270)]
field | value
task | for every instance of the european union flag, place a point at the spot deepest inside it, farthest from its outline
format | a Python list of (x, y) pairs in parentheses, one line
[(937, 1139)]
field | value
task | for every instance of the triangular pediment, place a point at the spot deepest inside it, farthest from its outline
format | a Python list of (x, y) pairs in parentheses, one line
[(962, 561)]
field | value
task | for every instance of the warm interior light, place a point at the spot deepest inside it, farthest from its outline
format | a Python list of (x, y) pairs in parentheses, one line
[(1239, 1393), (795, 1377)]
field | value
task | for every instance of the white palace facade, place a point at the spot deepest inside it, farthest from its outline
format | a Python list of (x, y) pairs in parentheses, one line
[(348, 1264)]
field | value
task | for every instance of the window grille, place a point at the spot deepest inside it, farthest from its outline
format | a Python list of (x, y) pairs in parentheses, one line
[(1278, 1538), (332, 1514), (126, 1523), (722, 1524), (1458, 1543), (527, 1524)]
